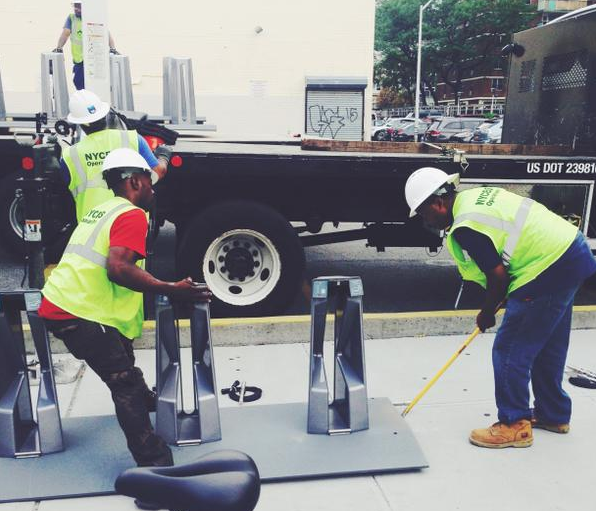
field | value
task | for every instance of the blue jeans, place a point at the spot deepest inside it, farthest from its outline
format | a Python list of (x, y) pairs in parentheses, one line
[(78, 76), (531, 346)]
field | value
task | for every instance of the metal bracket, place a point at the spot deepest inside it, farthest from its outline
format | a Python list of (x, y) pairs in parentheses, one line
[(172, 423), (21, 433), (347, 410)]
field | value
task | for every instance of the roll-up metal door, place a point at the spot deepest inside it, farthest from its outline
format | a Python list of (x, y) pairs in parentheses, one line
[(335, 114)]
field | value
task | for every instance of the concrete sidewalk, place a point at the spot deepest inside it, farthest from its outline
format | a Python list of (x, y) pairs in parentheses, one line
[(556, 473)]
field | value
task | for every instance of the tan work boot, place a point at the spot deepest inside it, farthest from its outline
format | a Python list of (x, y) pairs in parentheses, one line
[(499, 435), (555, 428)]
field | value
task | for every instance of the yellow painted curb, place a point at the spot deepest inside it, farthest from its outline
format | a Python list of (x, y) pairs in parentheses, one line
[(372, 316)]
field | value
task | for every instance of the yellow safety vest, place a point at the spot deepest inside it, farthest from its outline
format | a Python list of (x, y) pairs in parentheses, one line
[(76, 38), (80, 284), (85, 161), (528, 236)]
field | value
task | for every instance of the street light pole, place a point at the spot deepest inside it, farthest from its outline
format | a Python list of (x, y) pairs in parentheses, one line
[(418, 70)]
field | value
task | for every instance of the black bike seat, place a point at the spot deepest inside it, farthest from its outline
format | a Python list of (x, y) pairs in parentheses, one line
[(223, 480)]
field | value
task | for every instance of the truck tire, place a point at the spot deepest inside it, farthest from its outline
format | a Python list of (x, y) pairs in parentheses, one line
[(57, 224), (247, 253), (11, 216)]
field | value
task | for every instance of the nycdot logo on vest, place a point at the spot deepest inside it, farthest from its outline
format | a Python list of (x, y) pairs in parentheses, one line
[(487, 196), (94, 159)]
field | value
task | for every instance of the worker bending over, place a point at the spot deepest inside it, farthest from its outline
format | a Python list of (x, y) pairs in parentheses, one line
[(82, 163), (93, 299), (517, 249)]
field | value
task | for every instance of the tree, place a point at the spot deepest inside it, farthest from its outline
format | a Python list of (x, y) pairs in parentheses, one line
[(467, 35), (461, 38), (388, 98), (395, 42)]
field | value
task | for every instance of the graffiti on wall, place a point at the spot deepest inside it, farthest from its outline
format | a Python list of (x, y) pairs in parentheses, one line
[(328, 122)]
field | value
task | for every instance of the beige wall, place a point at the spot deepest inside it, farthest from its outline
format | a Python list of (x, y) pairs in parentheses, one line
[(243, 80)]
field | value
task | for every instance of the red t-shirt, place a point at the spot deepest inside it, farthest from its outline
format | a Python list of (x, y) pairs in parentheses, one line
[(129, 230)]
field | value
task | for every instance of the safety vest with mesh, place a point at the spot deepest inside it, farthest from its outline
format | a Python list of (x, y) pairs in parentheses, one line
[(80, 284), (76, 38), (528, 236), (85, 161)]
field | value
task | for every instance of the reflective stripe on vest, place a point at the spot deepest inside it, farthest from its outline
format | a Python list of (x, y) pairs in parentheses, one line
[(527, 236), (513, 229), (80, 283), (85, 161), (86, 251), (78, 165)]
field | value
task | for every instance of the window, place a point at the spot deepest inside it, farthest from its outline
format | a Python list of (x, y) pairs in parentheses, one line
[(496, 84)]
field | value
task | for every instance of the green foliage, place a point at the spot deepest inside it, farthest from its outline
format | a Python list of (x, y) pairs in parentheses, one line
[(460, 39)]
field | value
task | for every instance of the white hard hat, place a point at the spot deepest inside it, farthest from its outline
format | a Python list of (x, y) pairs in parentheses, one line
[(425, 182), (85, 107), (128, 162)]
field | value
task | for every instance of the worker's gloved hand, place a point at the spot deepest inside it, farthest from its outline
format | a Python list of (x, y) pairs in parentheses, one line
[(114, 51), (485, 320), (189, 291), (57, 50), (163, 152)]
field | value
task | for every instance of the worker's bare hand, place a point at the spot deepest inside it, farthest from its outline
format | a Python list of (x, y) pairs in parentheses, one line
[(485, 320), (189, 291)]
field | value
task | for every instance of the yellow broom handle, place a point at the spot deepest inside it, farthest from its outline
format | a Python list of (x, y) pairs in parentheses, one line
[(441, 371)]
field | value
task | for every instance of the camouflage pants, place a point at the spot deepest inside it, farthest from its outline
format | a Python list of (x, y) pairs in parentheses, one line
[(111, 356)]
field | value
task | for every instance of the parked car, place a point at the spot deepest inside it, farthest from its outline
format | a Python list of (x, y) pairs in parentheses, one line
[(442, 129), (406, 132), (488, 132), (384, 132), (463, 137)]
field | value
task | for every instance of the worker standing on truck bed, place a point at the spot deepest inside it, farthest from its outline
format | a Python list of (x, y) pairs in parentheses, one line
[(93, 300), (82, 162), (517, 249), (73, 30)]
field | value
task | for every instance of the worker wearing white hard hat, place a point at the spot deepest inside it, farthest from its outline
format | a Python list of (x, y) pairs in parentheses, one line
[(93, 299), (520, 251), (82, 163)]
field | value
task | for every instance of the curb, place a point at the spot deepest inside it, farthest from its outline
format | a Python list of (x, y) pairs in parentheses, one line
[(296, 329)]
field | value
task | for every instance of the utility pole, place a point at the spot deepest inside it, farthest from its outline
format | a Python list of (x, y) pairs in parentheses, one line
[(419, 70)]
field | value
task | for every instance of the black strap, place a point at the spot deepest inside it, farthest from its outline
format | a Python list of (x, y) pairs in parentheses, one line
[(583, 382), (250, 393)]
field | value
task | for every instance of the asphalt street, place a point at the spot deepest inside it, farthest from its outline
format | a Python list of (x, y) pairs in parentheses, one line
[(397, 280)]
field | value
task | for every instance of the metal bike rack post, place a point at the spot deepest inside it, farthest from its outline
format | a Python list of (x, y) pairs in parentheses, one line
[(21, 433), (2, 103), (121, 83), (178, 91), (54, 91), (347, 410), (173, 424)]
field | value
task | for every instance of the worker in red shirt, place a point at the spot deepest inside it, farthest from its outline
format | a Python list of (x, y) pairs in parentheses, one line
[(93, 299)]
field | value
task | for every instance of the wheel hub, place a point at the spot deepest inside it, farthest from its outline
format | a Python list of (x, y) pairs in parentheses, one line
[(239, 263), (241, 267)]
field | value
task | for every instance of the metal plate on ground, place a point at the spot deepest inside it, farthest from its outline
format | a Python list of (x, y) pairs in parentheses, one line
[(274, 435)]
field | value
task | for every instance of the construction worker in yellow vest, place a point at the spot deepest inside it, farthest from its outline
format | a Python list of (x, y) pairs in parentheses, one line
[(518, 250), (73, 30), (81, 164), (93, 299)]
